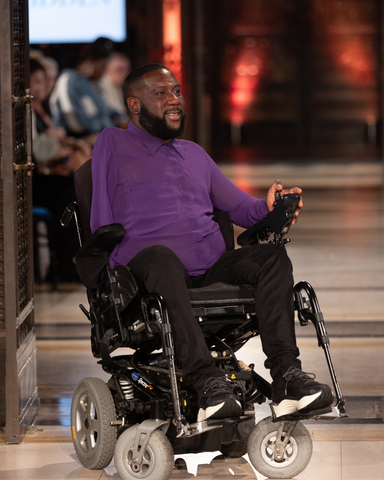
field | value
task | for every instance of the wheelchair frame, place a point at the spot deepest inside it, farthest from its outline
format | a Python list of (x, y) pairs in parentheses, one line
[(163, 404)]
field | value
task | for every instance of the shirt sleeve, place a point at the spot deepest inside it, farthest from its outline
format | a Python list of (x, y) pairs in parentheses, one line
[(104, 180), (243, 209)]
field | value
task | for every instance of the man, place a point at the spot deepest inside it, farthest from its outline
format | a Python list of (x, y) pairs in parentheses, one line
[(163, 191), (76, 103)]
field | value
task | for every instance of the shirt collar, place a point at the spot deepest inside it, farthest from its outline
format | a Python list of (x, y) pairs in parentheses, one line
[(152, 143)]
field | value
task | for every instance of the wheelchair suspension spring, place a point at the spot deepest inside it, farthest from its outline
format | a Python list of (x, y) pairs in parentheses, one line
[(127, 388)]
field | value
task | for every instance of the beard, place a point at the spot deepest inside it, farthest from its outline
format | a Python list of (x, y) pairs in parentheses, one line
[(158, 126)]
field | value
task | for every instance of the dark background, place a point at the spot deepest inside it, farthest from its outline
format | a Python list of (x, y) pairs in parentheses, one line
[(297, 80)]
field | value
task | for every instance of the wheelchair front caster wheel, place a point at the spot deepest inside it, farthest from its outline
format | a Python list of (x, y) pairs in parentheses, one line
[(92, 412), (261, 449), (157, 462)]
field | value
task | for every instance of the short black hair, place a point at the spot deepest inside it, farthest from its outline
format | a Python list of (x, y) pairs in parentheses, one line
[(136, 76)]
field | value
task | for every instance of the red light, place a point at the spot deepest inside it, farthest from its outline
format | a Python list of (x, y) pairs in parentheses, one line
[(244, 82), (352, 52), (172, 37), (240, 97)]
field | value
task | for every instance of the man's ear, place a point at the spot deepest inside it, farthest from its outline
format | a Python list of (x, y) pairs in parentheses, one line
[(133, 105)]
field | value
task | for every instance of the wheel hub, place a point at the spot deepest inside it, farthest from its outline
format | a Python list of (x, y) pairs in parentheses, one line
[(140, 469), (87, 425), (92, 415), (277, 455)]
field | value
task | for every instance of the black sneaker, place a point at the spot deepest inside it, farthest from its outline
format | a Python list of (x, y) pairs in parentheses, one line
[(217, 400), (296, 391)]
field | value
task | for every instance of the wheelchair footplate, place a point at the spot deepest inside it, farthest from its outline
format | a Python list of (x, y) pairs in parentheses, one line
[(327, 413), (228, 421)]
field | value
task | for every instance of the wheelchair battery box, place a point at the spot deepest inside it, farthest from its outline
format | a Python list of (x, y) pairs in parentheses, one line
[(115, 291)]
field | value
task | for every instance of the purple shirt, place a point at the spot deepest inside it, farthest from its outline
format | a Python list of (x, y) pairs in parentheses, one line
[(164, 194)]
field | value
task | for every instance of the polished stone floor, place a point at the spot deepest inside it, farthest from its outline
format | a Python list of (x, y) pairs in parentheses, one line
[(337, 246)]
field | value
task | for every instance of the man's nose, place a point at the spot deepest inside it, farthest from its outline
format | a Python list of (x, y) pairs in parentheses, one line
[(173, 99)]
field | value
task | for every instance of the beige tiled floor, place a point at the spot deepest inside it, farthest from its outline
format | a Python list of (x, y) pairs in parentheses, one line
[(338, 246), (336, 460)]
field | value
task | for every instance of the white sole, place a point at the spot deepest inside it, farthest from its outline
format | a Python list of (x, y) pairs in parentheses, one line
[(209, 411), (287, 407)]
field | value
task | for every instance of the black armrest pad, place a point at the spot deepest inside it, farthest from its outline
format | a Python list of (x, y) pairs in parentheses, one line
[(93, 256)]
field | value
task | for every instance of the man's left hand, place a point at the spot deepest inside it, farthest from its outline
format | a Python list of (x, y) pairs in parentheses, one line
[(278, 187)]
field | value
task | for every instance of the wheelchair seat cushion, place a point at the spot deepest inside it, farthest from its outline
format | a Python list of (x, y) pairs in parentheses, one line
[(222, 293)]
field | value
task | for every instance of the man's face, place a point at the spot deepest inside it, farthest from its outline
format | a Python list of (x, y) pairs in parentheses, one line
[(162, 107), (158, 126)]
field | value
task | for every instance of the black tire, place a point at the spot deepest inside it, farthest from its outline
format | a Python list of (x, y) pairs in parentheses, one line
[(92, 412), (261, 448), (236, 449), (158, 457)]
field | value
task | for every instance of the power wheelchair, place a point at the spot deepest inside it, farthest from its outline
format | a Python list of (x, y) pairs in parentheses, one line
[(146, 412)]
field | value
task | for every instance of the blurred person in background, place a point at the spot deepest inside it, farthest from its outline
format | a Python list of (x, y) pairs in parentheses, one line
[(76, 102), (53, 150), (51, 68), (111, 85), (56, 156)]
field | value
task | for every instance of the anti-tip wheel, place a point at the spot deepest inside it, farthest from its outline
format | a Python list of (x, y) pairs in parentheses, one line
[(261, 448)]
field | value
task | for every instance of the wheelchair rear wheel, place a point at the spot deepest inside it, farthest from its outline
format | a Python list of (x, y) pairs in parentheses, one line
[(158, 459), (92, 412), (261, 448)]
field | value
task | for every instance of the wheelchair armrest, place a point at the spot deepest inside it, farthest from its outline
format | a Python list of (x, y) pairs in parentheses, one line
[(277, 221), (93, 256)]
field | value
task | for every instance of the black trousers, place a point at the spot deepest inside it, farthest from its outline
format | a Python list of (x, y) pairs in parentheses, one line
[(266, 267)]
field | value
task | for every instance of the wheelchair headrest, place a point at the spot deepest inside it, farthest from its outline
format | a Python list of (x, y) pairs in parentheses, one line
[(93, 256)]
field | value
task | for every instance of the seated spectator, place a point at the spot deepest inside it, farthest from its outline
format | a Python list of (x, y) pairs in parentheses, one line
[(111, 85), (51, 68), (53, 150), (76, 103), (56, 156)]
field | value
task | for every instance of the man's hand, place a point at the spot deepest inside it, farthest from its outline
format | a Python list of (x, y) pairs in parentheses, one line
[(278, 187)]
